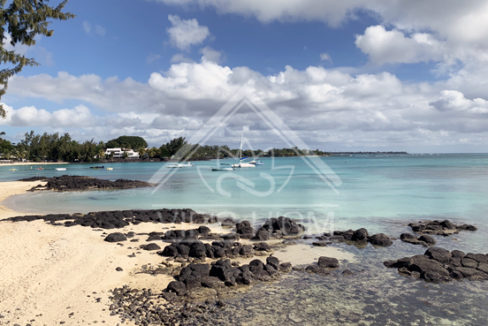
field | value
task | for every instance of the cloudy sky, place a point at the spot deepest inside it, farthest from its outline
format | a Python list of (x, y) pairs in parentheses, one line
[(343, 75)]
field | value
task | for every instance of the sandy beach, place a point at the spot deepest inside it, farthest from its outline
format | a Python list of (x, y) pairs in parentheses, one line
[(30, 163), (52, 274)]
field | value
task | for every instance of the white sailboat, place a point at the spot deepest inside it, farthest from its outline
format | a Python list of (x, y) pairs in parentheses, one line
[(241, 163), (179, 165)]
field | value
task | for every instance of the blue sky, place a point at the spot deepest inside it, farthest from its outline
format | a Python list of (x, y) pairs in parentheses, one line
[(345, 76)]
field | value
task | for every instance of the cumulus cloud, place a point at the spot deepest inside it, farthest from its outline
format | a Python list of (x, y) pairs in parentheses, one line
[(79, 116), (209, 54), (185, 33), (421, 30), (455, 101), (393, 46), (326, 107)]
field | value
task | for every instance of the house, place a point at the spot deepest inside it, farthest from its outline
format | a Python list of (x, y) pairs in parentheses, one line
[(118, 152)]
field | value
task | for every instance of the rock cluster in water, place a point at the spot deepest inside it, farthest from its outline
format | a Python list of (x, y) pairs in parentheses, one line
[(79, 183), (424, 240), (444, 228), (276, 228), (120, 219), (359, 237), (323, 265), (223, 274), (441, 265)]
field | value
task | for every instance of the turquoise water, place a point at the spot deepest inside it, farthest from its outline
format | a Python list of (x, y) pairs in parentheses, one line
[(381, 193), (372, 189)]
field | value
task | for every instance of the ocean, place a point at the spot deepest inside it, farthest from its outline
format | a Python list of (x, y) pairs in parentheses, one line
[(382, 193)]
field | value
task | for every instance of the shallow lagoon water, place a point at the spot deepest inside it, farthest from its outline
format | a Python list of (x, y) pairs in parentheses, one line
[(381, 193)]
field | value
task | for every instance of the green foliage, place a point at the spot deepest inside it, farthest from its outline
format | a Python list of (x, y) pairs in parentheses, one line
[(52, 147), (23, 20), (172, 147), (133, 142)]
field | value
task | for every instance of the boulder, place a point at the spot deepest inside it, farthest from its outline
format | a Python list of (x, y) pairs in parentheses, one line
[(380, 239), (150, 247), (262, 246), (328, 262), (427, 239), (262, 234), (360, 235), (177, 287), (441, 255), (197, 250), (115, 237), (273, 261), (244, 229)]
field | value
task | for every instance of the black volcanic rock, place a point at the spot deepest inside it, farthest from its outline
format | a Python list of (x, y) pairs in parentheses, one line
[(380, 239), (328, 262), (444, 228), (119, 219), (150, 247), (244, 229), (115, 237), (440, 265), (424, 240), (79, 183)]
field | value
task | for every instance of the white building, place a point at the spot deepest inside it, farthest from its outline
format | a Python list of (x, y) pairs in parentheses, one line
[(118, 152)]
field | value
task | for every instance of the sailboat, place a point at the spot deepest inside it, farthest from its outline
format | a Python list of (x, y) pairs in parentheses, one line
[(241, 163), (179, 165)]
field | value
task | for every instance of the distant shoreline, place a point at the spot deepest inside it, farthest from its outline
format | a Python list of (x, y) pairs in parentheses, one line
[(30, 163), (206, 159)]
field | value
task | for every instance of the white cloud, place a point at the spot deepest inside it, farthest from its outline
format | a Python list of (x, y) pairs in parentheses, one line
[(325, 57), (326, 107), (455, 101), (422, 30), (96, 29), (209, 54), (393, 46), (80, 116), (185, 33)]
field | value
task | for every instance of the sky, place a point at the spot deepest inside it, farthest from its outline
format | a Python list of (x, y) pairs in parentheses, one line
[(349, 75)]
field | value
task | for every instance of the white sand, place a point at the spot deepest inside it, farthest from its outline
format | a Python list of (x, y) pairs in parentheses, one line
[(12, 188), (48, 272)]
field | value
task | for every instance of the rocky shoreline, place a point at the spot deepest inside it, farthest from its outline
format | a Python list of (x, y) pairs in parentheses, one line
[(82, 183), (205, 266)]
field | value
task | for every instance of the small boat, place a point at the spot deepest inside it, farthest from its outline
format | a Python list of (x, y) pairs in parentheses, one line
[(40, 169), (13, 169), (222, 169), (110, 169), (256, 162), (242, 163), (60, 169), (179, 165), (97, 167)]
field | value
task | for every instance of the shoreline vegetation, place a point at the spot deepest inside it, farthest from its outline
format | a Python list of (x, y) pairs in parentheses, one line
[(55, 148)]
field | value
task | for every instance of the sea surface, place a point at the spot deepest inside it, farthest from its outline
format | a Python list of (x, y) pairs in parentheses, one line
[(380, 192)]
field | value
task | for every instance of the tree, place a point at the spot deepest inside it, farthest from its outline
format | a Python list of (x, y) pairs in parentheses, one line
[(171, 148), (20, 22), (132, 142)]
